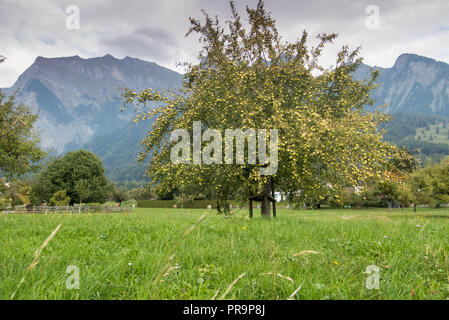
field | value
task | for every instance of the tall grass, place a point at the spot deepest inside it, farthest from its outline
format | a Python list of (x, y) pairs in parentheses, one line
[(316, 254)]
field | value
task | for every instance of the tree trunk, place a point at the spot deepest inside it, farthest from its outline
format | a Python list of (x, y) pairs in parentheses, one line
[(389, 206), (414, 207), (218, 206), (265, 207), (250, 208), (79, 209)]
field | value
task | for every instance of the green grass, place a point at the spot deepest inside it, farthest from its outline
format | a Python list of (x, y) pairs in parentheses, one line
[(120, 255)]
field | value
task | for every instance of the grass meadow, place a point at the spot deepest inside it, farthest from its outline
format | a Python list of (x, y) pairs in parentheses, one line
[(432, 135), (168, 254)]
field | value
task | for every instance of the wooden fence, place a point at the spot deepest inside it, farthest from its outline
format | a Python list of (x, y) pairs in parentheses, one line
[(68, 209)]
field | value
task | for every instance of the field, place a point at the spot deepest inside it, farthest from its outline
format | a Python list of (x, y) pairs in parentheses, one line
[(432, 134), (324, 252)]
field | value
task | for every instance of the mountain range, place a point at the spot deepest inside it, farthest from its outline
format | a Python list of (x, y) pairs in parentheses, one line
[(414, 84), (78, 101)]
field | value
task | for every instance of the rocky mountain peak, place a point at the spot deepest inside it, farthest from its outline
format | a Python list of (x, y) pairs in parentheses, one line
[(79, 98), (414, 84)]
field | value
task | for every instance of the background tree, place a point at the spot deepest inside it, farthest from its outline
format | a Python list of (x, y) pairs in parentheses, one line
[(83, 190), (249, 78), (19, 150), (60, 198), (388, 190), (431, 185), (405, 196), (420, 186), (119, 195), (81, 174), (14, 193), (142, 194), (392, 184)]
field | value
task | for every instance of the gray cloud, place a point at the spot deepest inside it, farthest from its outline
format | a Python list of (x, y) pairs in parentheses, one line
[(145, 43), (157, 35), (154, 30)]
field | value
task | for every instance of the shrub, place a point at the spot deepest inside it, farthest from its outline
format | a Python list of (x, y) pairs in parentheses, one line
[(60, 198)]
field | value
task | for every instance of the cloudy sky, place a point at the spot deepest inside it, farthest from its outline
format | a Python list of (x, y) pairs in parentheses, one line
[(154, 30)]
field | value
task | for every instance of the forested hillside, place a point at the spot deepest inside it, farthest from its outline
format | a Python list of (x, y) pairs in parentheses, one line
[(405, 130)]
